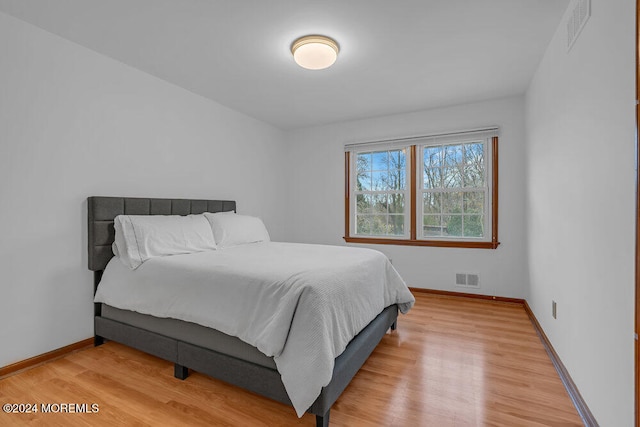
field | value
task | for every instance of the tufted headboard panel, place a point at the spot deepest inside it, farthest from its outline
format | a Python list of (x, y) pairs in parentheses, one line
[(102, 211)]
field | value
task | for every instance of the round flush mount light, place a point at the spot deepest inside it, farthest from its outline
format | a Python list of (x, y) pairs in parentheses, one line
[(315, 52)]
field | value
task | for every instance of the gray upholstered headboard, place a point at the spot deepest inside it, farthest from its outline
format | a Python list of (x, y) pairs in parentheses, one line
[(102, 211)]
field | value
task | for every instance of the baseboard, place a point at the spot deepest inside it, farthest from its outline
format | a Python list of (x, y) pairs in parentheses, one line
[(581, 406), (54, 354), (467, 295)]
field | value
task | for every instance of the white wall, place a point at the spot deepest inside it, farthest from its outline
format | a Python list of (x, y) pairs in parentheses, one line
[(74, 123), (316, 194), (581, 193)]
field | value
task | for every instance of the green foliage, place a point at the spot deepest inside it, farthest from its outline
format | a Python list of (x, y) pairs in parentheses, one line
[(473, 226)]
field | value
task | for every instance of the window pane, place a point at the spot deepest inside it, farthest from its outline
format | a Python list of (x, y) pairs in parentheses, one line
[(451, 178), (363, 181), (380, 181), (396, 225), (397, 158), (432, 177), (363, 224), (432, 203), (400, 179), (452, 202), (363, 162), (431, 225), (452, 155), (452, 225), (363, 203), (474, 165), (379, 203), (432, 157), (394, 180), (396, 203), (380, 161), (474, 202), (473, 226), (397, 169), (473, 177), (379, 225), (397, 179)]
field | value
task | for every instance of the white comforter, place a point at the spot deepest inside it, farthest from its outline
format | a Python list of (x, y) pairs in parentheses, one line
[(299, 303)]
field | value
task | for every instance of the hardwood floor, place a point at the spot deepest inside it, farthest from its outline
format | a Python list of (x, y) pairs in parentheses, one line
[(452, 362)]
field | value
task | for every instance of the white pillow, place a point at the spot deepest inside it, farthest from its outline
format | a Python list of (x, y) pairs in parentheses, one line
[(231, 229), (141, 237)]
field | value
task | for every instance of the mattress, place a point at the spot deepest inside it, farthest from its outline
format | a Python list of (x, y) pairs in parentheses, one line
[(192, 333)]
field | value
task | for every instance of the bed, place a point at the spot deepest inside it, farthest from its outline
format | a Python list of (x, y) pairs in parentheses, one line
[(192, 346)]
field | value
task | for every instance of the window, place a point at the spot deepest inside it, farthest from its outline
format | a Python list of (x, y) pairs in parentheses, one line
[(453, 190), (381, 193), (428, 191)]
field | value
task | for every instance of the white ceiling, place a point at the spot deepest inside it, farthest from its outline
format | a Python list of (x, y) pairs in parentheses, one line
[(396, 56)]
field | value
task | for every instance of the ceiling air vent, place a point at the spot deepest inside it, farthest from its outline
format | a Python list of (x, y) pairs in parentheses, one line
[(577, 19)]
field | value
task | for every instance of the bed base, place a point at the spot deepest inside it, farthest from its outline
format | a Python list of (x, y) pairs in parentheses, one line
[(248, 375)]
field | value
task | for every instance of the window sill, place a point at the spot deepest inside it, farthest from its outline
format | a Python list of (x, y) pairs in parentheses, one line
[(434, 243)]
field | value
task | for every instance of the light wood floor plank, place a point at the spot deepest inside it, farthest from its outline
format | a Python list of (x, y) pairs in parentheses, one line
[(452, 362)]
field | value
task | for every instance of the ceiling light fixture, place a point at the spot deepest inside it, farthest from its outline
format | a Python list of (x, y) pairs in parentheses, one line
[(315, 52)]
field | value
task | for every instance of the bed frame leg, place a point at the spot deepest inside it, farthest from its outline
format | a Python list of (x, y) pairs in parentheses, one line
[(323, 420), (394, 325), (180, 372), (97, 340)]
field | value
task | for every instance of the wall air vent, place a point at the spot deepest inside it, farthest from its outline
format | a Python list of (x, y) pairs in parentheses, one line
[(473, 281), (467, 280), (580, 12)]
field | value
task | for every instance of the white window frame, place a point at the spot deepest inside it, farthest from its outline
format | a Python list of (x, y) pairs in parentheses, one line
[(486, 189), (354, 193)]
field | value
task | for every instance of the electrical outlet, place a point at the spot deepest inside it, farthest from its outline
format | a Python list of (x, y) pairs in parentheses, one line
[(554, 309)]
